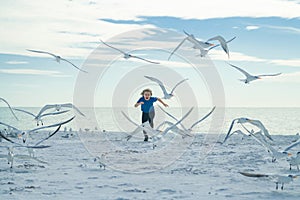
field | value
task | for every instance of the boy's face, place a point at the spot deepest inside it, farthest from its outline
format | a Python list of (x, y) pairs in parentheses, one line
[(147, 95)]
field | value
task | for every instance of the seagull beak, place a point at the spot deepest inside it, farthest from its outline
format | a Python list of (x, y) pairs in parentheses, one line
[(289, 154), (19, 135), (211, 45)]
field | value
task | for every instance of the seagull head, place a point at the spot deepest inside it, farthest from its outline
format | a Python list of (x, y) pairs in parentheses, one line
[(287, 153), (292, 176)]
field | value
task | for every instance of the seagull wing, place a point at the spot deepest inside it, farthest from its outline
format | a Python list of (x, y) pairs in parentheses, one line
[(49, 136), (179, 121), (261, 141), (9, 107), (54, 113), (73, 65), (7, 139), (53, 125), (168, 113), (260, 125), (129, 119), (229, 131), (177, 48), (43, 109), (44, 52), (161, 85), (149, 61), (220, 44), (70, 105), (171, 117), (24, 111), (277, 74), (241, 70), (178, 85), (14, 128), (253, 175), (203, 118), (113, 47), (292, 145)]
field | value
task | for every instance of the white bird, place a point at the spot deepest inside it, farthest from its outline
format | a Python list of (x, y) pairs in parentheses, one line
[(11, 110), (189, 130), (127, 55), (276, 155), (57, 58), (250, 77), (58, 107), (204, 52), (10, 156), (295, 161), (37, 118), (222, 42), (25, 134), (197, 43), (163, 88), (278, 179), (244, 120), (149, 130)]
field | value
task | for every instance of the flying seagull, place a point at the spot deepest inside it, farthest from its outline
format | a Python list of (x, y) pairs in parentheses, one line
[(58, 108), (222, 42), (191, 38), (11, 110), (250, 77), (57, 58), (244, 120), (24, 134), (39, 118), (163, 88), (278, 179), (204, 52), (156, 134), (189, 130), (127, 55), (275, 154)]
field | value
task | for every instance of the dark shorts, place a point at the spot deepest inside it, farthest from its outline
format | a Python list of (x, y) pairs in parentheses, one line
[(148, 117)]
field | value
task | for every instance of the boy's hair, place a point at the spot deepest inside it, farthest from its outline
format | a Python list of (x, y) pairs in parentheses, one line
[(146, 90)]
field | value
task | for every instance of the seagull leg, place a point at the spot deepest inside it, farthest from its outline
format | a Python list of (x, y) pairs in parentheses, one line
[(290, 166), (298, 167), (282, 186), (276, 185)]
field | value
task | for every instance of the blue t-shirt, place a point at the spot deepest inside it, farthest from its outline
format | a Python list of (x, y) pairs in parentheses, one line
[(148, 104)]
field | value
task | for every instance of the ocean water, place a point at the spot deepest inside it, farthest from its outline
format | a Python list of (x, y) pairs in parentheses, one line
[(279, 121)]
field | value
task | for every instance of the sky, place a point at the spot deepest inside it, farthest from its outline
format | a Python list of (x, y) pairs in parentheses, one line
[(267, 41)]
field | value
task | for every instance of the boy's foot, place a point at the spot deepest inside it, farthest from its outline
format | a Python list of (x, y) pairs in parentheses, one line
[(146, 138)]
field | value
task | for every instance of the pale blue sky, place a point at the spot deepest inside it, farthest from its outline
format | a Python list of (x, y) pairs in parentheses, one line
[(267, 42)]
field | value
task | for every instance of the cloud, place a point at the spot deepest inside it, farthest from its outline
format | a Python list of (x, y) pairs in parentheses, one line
[(287, 62), (32, 72), (77, 22), (288, 29), (250, 28), (15, 62)]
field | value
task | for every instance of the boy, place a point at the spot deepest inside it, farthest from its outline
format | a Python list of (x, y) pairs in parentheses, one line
[(146, 102)]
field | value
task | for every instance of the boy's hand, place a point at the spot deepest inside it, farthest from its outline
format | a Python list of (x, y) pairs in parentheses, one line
[(141, 103), (166, 105)]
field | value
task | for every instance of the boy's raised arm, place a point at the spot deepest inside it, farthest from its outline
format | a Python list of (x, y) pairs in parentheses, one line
[(163, 103)]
